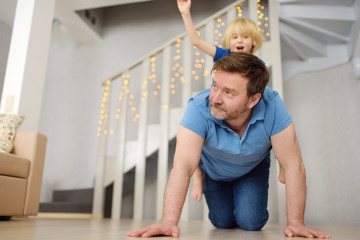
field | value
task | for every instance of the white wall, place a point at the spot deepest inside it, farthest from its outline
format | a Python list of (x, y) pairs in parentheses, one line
[(5, 38), (326, 111)]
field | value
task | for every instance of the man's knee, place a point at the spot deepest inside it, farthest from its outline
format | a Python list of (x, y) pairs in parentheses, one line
[(252, 223), (223, 223)]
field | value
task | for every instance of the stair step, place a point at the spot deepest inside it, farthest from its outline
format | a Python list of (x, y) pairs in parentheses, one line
[(66, 207), (75, 195), (69, 201)]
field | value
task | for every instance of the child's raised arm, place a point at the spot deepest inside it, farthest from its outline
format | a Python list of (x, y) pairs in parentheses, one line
[(184, 8)]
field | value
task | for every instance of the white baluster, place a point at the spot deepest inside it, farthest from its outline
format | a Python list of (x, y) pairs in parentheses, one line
[(142, 140), (120, 159), (98, 198), (209, 61), (164, 139), (231, 15), (253, 10), (277, 85), (186, 94)]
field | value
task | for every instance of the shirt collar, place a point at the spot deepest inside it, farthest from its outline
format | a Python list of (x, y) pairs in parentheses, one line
[(258, 111)]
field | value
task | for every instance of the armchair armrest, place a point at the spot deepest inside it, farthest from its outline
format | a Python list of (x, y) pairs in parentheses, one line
[(32, 146)]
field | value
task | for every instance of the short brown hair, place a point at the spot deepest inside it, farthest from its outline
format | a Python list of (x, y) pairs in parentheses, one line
[(248, 27), (250, 66)]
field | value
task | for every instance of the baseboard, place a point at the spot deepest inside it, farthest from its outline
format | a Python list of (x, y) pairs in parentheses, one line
[(68, 216)]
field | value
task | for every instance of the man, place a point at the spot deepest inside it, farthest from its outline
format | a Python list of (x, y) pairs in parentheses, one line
[(229, 131)]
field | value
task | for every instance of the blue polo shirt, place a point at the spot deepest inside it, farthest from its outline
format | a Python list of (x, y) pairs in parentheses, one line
[(220, 53), (225, 156)]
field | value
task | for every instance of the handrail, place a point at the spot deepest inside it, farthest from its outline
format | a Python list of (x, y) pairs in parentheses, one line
[(180, 36)]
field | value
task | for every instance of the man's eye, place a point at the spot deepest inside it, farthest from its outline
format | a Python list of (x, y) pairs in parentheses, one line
[(228, 93)]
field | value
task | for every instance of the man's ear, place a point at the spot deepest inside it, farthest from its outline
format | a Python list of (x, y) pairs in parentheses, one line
[(254, 100)]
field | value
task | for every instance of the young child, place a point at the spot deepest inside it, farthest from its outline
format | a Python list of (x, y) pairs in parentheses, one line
[(241, 35)]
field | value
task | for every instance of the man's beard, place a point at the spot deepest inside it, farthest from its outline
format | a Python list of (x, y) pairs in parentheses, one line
[(225, 114), (215, 107)]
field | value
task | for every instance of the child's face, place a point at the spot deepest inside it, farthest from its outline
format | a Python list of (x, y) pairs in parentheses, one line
[(240, 42)]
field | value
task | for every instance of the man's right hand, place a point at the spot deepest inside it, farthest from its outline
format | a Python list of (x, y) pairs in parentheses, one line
[(161, 228)]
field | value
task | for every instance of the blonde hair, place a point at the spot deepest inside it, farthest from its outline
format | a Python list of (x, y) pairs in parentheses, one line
[(246, 26)]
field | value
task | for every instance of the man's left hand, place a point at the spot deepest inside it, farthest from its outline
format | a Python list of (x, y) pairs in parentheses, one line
[(300, 230)]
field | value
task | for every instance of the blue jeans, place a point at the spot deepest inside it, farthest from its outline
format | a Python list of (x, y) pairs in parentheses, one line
[(241, 202)]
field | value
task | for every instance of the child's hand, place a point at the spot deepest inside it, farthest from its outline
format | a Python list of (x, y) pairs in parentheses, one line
[(184, 6)]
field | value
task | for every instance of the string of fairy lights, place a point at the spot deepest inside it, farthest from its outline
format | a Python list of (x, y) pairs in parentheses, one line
[(176, 68), (263, 19), (152, 85), (198, 63)]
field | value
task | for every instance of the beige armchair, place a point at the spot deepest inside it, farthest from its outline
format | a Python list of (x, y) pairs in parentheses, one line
[(21, 173)]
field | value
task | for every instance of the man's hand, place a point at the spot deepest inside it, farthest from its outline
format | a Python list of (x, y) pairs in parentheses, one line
[(300, 230), (161, 228)]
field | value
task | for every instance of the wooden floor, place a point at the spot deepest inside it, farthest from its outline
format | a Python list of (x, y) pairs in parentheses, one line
[(106, 229)]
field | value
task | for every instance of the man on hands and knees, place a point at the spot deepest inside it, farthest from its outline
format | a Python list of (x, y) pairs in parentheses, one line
[(229, 130)]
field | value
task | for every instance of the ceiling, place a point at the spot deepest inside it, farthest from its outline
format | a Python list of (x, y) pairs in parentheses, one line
[(66, 12)]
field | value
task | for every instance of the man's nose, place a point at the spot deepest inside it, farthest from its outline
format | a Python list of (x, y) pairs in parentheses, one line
[(217, 97)]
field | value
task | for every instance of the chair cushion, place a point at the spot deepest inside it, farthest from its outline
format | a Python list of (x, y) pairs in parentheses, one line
[(13, 165)]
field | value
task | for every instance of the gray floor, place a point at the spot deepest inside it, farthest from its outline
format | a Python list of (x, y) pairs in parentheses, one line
[(106, 229)]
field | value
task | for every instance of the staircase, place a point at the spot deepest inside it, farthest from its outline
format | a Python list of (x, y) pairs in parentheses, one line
[(69, 201), (316, 35), (81, 200)]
